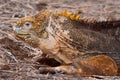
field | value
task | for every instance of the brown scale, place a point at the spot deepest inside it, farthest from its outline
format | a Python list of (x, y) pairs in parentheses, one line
[(86, 35)]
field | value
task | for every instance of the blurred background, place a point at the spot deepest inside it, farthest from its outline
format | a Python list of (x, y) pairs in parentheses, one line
[(16, 56)]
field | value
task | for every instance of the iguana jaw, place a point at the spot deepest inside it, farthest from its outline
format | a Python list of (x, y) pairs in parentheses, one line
[(26, 35)]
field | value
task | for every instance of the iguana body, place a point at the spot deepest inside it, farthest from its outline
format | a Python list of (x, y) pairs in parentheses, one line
[(67, 40)]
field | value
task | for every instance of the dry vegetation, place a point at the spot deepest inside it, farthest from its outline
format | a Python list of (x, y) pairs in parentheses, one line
[(17, 57)]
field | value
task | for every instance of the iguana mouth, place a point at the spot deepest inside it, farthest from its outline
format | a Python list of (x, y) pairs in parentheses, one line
[(26, 36), (19, 32)]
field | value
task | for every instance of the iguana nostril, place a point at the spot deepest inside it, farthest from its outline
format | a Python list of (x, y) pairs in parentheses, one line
[(16, 29)]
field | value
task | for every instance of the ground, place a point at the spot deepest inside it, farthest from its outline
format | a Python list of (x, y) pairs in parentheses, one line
[(16, 57)]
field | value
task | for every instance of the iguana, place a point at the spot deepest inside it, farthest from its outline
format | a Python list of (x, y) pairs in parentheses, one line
[(69, 39)]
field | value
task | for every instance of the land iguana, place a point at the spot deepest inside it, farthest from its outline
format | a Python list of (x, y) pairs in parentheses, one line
[(70, 40)]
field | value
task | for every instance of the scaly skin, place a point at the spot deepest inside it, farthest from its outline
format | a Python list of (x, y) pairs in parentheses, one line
[(61, 36)]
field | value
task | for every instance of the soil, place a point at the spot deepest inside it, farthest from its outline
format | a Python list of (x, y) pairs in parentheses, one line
[(17, 59)]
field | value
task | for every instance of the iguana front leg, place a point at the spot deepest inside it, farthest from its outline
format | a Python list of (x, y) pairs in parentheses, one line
[(94, 65)]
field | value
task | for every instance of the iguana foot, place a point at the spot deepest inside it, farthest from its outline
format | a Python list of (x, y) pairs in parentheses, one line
[(65, 69)]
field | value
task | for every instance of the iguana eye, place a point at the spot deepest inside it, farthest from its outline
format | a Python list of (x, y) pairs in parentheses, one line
[(27, 25)]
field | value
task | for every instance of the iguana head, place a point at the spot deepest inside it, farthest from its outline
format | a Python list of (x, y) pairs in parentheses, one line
[(30, 29), (36, 31)]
